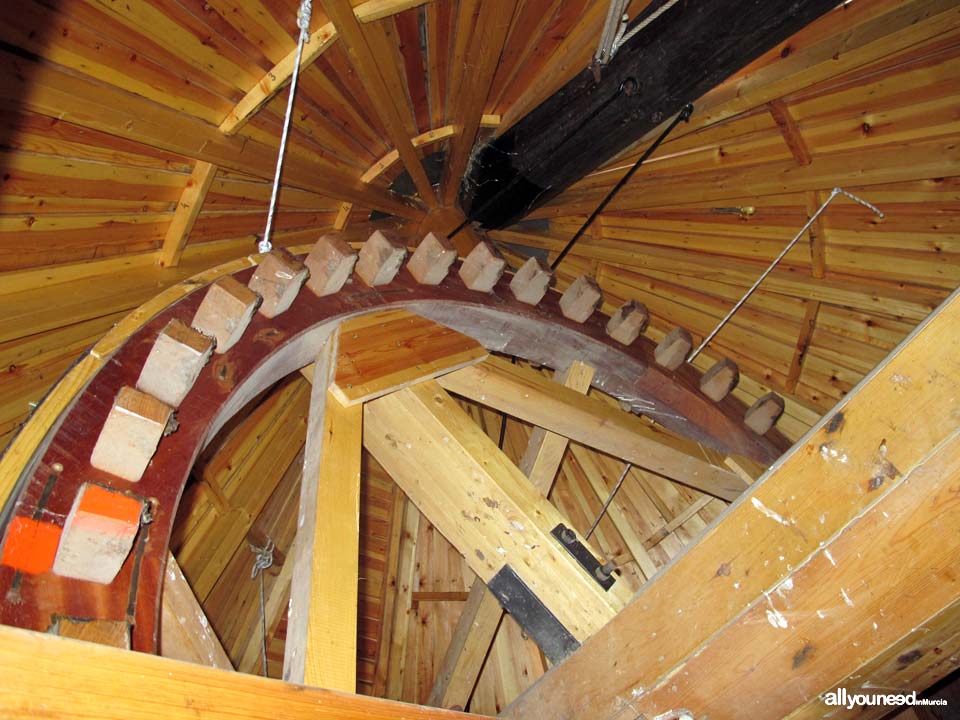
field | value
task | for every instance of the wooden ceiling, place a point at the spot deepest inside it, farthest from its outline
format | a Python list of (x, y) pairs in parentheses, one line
[(118, 180)]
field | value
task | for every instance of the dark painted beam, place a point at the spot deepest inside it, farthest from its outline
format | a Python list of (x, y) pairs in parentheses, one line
[(687, 51)]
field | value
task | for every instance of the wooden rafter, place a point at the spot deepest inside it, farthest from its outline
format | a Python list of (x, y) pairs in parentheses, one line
[(885, 463), (527, 395), (186, 214), (369, 55), (790, 132)]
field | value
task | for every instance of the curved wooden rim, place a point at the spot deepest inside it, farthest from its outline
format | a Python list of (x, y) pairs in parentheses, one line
[(63, 430)]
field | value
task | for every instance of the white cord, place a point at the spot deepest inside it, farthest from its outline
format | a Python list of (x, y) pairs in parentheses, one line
[(303, 22)]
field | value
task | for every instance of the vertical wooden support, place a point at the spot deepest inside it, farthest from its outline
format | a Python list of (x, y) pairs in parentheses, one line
[(321, 645), (818, 238), (331, 642), (188, 209)]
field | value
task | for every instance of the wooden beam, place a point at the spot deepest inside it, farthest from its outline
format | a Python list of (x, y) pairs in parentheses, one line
[(529, 396), (185, 633), (385, 351), (364, 50), (417, 431), (482, 614), (790, 132), (391, 593), (794, 576), (398, 669), (69, 678), (331, 642), (186, 214)]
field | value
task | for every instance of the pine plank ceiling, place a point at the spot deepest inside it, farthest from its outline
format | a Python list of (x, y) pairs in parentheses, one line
[(108, 106)]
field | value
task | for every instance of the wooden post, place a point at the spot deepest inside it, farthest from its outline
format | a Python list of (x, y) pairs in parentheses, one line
[(186, 214)]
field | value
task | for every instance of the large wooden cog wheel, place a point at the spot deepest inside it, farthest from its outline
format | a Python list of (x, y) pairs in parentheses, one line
[(47, 479)]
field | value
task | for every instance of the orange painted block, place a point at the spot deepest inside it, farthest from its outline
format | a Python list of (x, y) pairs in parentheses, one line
[(581, 299), (277, 280), (432, 259), (31, 545), (174, 363), (225, 312), (330, 262), (98, 534), (380, 258), (482, 268), (130, 434)]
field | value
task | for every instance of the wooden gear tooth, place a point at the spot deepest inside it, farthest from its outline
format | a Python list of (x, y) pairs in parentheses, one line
[(174, 363), (673, 350), (331, 262), (225, 312), (130, 434), (483, 267), (764, 413), (581, 299), (531, 281), (277, 280), (380, 258), (720, 380), (432, 259), (628, 322)]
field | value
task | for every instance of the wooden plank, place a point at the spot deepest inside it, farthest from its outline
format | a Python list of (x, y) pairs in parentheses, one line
[(188, 209), (85, 102), (481, 616), (185, 633), (870, 479), (416, 430), (385, 351), (363, 57), (331, 641), (68, 678), (304, 583), (529, 396)]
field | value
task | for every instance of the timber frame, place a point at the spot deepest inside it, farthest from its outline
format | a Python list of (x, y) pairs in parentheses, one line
[(889, 477)]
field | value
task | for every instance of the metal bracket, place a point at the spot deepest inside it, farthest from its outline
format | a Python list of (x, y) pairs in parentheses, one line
[(569, 541), (538, 622)]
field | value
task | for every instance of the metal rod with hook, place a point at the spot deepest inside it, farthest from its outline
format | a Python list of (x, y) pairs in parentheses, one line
[(746, 296)]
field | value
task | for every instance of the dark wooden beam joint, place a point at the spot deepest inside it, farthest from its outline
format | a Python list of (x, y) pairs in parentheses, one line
[(689, 50)]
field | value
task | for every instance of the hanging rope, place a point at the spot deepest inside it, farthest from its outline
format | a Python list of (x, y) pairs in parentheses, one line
[(303, 22), (263, 558)]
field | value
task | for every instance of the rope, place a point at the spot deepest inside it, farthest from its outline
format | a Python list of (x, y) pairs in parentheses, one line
[(303, 22), (263, 558), (646, 21)]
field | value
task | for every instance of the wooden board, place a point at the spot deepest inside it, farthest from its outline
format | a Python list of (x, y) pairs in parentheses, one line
[(385, 351)]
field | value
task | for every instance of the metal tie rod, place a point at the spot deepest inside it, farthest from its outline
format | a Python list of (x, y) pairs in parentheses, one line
[(610, 497), (833, 193)]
